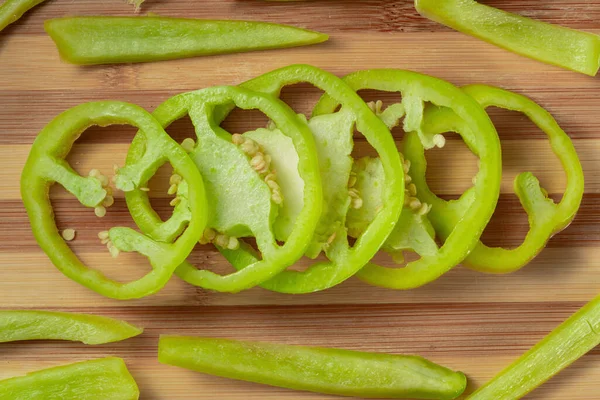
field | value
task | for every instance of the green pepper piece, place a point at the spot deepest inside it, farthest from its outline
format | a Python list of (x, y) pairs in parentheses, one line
[(104, 40), (46, 325), (333, 136), (344, 260), (545, 217), (46, 165), (413, 231), (252, 213), (321, 370), (553, 44), (102, 379), (480, 137), (12, 10), (572, 339)]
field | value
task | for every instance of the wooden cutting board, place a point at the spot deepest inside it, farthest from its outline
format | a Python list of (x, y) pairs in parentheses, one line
[(466, 320)]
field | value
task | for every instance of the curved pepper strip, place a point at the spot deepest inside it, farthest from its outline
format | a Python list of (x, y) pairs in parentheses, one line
[(102, 379), (481, 138), (12, 10), (344, 261), (545, 217), (563, 346), (320, 370), (46, 165), (46, 325), (275, 258), (553, 44), (104, 40)]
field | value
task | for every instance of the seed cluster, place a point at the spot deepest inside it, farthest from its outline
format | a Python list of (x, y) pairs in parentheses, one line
[(410, 193), (261, 163), (105, 239), (109, 200), (356, 200), (220, 239)]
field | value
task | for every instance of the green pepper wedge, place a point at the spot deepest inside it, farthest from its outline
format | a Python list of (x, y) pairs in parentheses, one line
[(103, 40), (17, 325), (480, 137), (322, 370), (46, 165), (102, 379), (214, 144), (553, 44), (12, 10), (344, 260), (576, 336), (545, 217)]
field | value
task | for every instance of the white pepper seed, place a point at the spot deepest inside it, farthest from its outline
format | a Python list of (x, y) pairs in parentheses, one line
[(68, 234)]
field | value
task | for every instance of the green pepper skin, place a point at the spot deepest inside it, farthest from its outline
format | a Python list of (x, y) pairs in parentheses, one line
[(104, 40), (553, 44), (12, 10), (563, 346), (46, 325), (481, 138), (343, 260), (46, 165), (546, 218), (102, 379), (200, 106), (321, 370)]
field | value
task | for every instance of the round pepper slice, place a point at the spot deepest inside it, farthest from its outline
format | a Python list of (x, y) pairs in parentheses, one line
[(546, 218), (480, 136), (239, 204), (344, 260), (46, 165)]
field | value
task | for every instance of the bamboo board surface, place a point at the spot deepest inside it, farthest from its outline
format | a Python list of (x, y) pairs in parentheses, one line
[(466, 320)]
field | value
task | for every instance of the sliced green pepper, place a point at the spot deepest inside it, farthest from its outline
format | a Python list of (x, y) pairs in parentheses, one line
[(565, 344), (333, 134), (545, 217), (46, 325), (46, 165), (12, 10), (344, 260), (241, 200), (103, 379), (103, 40), (553, 44), (322, 370), (480, 137)]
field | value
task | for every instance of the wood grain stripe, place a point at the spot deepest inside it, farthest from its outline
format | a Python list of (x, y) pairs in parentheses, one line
[(564, 274), (450, 169), (507, 228), (329, 16), (17, 128), (474, 62)]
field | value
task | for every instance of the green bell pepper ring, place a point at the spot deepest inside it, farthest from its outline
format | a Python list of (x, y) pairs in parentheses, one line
[(20, 325), (545, 217), (46, 165), (481, 138), (12, 10), (321, 370), (553, 44), (103, 40), (102, 379), (565, 344), (344, 260), (237, 208)]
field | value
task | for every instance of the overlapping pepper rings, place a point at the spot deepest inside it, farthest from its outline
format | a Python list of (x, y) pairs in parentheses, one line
[(268, 197)]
